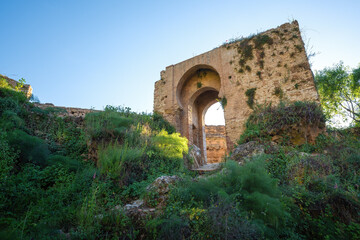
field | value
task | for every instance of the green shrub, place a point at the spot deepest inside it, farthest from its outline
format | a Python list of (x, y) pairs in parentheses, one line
[(9, 120), (226, 221), (277, 165), (106, 125), (170, 145), (155, 121), (18, 97), (173, 227), (63, 134), (66, 162), (115, 160), (267, 120), (7, 159), (31, 149), (9, 103), (158, 123), (250, 185)]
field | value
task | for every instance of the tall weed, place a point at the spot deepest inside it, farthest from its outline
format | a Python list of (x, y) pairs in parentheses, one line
[(114, 160)]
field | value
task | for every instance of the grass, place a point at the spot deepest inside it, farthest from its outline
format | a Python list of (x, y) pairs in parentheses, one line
[(112, 159), (48, 183)]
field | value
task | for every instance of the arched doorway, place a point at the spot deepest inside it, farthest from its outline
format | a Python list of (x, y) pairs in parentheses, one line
[(215, 134), (198, 90)]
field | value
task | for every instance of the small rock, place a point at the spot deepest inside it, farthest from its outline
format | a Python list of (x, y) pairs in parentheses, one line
[(247, 150), (195, 155), (161, 184), (136, 204)]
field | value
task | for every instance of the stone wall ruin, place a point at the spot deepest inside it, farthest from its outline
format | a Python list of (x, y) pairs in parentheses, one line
[(215, 143), (267, 67), (26, 88)]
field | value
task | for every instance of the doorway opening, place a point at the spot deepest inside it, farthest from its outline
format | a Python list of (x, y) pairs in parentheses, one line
[(197, 91), (215, 134)]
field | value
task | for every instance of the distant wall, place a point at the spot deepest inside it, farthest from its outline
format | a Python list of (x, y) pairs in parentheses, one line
[(27, 89), (67, 111), (215, 143)]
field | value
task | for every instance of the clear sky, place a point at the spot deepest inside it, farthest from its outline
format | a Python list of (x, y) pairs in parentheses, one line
[(93, 53)]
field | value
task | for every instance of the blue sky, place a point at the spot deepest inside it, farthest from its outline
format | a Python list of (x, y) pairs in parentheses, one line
[(93, 53)]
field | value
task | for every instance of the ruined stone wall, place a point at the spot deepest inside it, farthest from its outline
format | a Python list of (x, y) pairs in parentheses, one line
[(27, 89), (66, 111), (215, 143), (274, 63)]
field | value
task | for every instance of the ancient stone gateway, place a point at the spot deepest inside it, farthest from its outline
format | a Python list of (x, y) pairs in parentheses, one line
[(263, 68)]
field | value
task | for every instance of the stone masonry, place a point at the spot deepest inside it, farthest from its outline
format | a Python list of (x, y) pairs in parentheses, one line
[(272, 65), (26, 88), (215, 143), (66, 111)]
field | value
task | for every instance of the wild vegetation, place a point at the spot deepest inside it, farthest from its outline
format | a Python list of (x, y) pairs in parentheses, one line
[(65, 179), (339, 89), (53, 186)]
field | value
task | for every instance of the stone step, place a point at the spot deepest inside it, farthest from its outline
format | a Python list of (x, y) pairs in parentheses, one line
[(208, 167)]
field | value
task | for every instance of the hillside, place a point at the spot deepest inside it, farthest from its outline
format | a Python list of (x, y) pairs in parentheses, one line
[(116, 174)]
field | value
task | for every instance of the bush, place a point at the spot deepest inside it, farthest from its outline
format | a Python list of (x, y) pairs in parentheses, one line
[(158, 123), (121, 162), (170, 145), (18, 97), (9, 103), (65, 162), (106, 125), (173, 227), (267, 120), (31, 149), (9, 120), (249, 185), (7, 159)]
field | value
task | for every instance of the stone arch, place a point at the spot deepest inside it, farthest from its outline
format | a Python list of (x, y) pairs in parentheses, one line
[(176, 94), (196, 91), (187, 75)]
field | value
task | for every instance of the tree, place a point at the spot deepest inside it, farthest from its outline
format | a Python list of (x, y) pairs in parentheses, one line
[(339, 91)]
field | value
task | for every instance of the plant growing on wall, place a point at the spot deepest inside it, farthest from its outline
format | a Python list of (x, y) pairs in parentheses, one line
[(201, 73), (258, 73), (199, 84), (250, 93), (261, 40), (20, 84), (279, 92), (222, 101), (245, 49)]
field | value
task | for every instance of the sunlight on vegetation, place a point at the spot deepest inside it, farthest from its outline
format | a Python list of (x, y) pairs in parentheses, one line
[(339, 89), (67, 179)]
